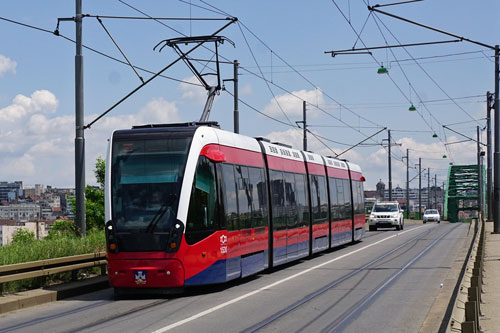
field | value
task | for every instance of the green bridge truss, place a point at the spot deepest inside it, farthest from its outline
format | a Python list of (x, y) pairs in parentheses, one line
[(461, 200)]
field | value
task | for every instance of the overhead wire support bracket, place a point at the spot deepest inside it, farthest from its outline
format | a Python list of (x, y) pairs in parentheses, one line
[(155, 76), (335, 53), (374, 9), (465, 136), (119, 49), (396, 3), (357, 144), (212, 90), (356, 51)]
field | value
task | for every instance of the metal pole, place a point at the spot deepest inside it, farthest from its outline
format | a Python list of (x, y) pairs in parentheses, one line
[(489, 188), (419, 187), (479, 178), (389, 162), (444, 198), (305, 125), (236, 111), (407, 183), (435, 192), (428, 188), (496, 156), (79, 123)]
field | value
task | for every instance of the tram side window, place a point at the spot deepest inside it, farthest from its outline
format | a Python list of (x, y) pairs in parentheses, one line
[(230, 198), (302, 200), (361, 198), (259, 196), (202, 205), (244, 196), (319, 201), (292, 212), (347, 199), (333, 199), (355, 197), (340, 199), (277, 199)]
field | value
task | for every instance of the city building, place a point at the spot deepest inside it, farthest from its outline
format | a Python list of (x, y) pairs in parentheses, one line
[(33, 191), (21, 212), (11, 191), (8, 230)]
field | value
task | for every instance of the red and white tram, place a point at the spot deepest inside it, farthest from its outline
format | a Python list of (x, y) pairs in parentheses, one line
[(190, 204)]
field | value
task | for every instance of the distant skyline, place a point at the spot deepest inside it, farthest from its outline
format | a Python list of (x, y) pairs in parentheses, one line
[(347, 100)]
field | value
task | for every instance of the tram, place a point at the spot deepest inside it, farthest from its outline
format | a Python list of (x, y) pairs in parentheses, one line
[(190, 204)]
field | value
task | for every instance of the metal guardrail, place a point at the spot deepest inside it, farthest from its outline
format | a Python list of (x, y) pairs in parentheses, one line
[(47, 267), (467, 307)]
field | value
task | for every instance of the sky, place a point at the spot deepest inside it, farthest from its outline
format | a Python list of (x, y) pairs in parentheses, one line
[(281, 47)]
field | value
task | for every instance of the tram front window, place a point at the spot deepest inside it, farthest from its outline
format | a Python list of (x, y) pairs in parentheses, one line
[(146, 179)]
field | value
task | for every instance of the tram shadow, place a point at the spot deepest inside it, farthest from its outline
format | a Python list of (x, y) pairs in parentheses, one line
[(173, 293)]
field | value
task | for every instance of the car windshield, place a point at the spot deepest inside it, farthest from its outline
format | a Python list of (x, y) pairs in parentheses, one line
[(385, 208), (431, 211)]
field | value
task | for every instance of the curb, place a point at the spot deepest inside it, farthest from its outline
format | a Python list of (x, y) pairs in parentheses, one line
[(35, 297)]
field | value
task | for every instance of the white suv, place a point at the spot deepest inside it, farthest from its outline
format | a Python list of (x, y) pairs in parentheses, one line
[(386, 215)]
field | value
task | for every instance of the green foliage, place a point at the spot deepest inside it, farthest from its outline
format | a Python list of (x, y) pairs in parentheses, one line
[(94, 207), (23, 236), (100, 171), (94, 199), (62, 228), (48, 248)]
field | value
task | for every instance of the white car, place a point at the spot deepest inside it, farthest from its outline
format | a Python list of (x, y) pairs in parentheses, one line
[(386, 215), (431, 215)]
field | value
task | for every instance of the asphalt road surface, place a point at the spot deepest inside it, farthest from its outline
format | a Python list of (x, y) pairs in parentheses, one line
[(385, 283)]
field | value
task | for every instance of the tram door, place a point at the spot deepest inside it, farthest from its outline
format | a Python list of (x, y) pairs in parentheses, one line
[(229, 191)]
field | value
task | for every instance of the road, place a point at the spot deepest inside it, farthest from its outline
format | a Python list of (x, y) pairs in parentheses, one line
[(387, 282)]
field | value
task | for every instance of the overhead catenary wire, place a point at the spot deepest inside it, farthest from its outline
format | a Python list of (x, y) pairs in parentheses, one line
[(267, 81), (285, 90), (376, 61), (411, 86), (279, 57), (268, 86), (95, 50), (423, 69)]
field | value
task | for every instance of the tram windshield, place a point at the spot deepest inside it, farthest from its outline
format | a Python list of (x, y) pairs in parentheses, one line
[(146, 179)]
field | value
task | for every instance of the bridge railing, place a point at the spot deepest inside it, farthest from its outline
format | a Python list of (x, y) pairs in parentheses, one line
[(467, 305), (47, 267)]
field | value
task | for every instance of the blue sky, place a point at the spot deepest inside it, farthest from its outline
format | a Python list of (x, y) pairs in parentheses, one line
[(283, 41)]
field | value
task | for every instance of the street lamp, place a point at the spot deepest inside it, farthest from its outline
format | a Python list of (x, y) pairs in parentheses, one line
[(382, 70)]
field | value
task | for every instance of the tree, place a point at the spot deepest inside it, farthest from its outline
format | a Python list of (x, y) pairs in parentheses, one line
[(100, 171), (23, 235), (94, 198), (62, 228)]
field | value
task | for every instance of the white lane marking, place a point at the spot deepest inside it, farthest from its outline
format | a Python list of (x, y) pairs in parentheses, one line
[(223, 305)]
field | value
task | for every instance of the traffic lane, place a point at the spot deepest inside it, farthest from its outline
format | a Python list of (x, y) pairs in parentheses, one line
[(113, 315), (265, 300), (399, 307), (404, 305), (69, 314)]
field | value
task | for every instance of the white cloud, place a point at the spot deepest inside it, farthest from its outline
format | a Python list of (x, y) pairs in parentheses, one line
[(292, 105), (195, 93), (39, 147), (7, 65), (41, 101), (246, 90)]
